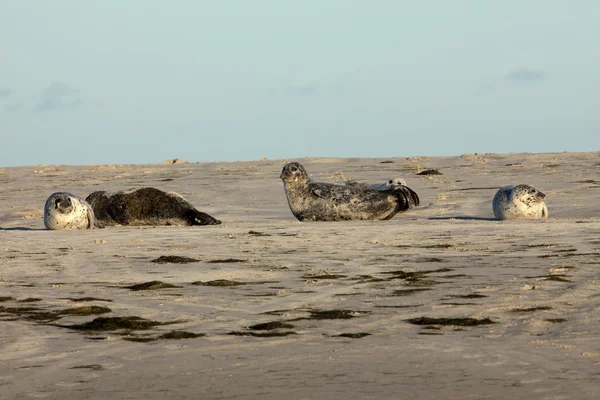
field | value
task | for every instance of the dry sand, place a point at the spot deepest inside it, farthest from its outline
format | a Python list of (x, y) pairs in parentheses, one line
[(533, 285)]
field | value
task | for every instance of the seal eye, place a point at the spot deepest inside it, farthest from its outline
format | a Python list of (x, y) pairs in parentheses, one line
[(294, 169), (56, 203)]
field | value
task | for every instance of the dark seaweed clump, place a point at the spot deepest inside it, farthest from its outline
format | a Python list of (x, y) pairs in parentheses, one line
[(177, 335), (256, 233), (556, 320), (173, 335), (115, 323), (332, 314), (324, 276), (32, 313), (531, 309), (468, 296), (262, 334), (449, 321), (152, 285), (430, 172), (269, 326), (77, 299), (408, 292), (174, 260), (226, 260), (219, 282), (359, 335), (30, 300)]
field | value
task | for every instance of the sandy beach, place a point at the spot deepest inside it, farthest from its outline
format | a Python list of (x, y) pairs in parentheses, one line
[(440, 302)]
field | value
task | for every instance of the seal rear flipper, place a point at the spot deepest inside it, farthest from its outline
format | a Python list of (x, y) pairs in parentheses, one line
[(407, 198), (414, 197), (199, 218)]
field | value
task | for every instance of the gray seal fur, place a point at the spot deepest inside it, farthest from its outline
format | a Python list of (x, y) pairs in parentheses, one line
[(66, 211), (146, 206), (315, 201), (519, 201)]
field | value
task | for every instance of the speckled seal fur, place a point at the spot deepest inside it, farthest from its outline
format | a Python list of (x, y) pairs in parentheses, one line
[(519, 201), (314, 201), (65, 211), (146, 206)]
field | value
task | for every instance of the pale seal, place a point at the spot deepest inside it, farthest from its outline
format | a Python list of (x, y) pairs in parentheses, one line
[(519, 201), (146, 206), (65, 211), (316, 201)]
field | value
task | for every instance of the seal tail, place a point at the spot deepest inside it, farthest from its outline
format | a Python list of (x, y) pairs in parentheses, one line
[(407, 197), (199, 218)]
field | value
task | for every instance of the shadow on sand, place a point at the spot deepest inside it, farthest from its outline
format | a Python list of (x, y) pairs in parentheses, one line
[(21, 228), (464, 218)]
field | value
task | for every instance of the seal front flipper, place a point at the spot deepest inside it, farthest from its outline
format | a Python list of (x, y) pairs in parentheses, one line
[(199, 218)]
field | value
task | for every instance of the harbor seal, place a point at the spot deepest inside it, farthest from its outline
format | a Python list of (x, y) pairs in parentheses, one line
[(519, 201), (316, 201), (146, 206), (65, 211), (390, 184)]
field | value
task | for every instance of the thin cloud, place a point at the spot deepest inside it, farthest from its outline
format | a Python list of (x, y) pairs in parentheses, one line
[(59, 96), (525, 75), (5, 92)]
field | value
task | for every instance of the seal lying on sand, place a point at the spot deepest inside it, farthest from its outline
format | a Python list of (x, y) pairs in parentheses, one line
[(315, 201), (390, 184), (519, 201), (146, 206), (65, 211)]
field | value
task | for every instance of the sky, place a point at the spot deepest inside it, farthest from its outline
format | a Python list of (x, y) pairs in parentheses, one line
[(143, 81)]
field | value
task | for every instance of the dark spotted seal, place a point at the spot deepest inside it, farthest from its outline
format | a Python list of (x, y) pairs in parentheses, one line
[(146, 206), (65, 211), (519, 201), (316, 201)]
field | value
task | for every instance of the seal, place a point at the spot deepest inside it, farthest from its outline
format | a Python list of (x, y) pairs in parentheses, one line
[(519, 201), (146, 206), (65, 211), (315, 201), (390, 184)]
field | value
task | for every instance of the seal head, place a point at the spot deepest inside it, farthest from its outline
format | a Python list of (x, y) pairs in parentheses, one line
[(66, 211)]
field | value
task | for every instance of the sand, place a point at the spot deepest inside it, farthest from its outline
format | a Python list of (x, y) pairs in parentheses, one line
[(441, 302)]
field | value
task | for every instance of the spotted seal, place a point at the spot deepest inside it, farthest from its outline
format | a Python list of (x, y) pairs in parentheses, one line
[(65, 211), (146, 206), (519, 201), (315, 201)]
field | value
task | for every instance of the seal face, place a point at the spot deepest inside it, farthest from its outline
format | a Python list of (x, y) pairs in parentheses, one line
[(315, 201), (65, 211), (146, 206), (519, 201)]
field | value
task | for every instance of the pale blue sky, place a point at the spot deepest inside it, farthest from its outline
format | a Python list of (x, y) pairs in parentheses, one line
[(141, 81)]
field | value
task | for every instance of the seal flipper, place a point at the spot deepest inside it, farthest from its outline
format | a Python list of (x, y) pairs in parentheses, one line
[(99, 224), (90, 218), (199, 218), (407, 197)]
